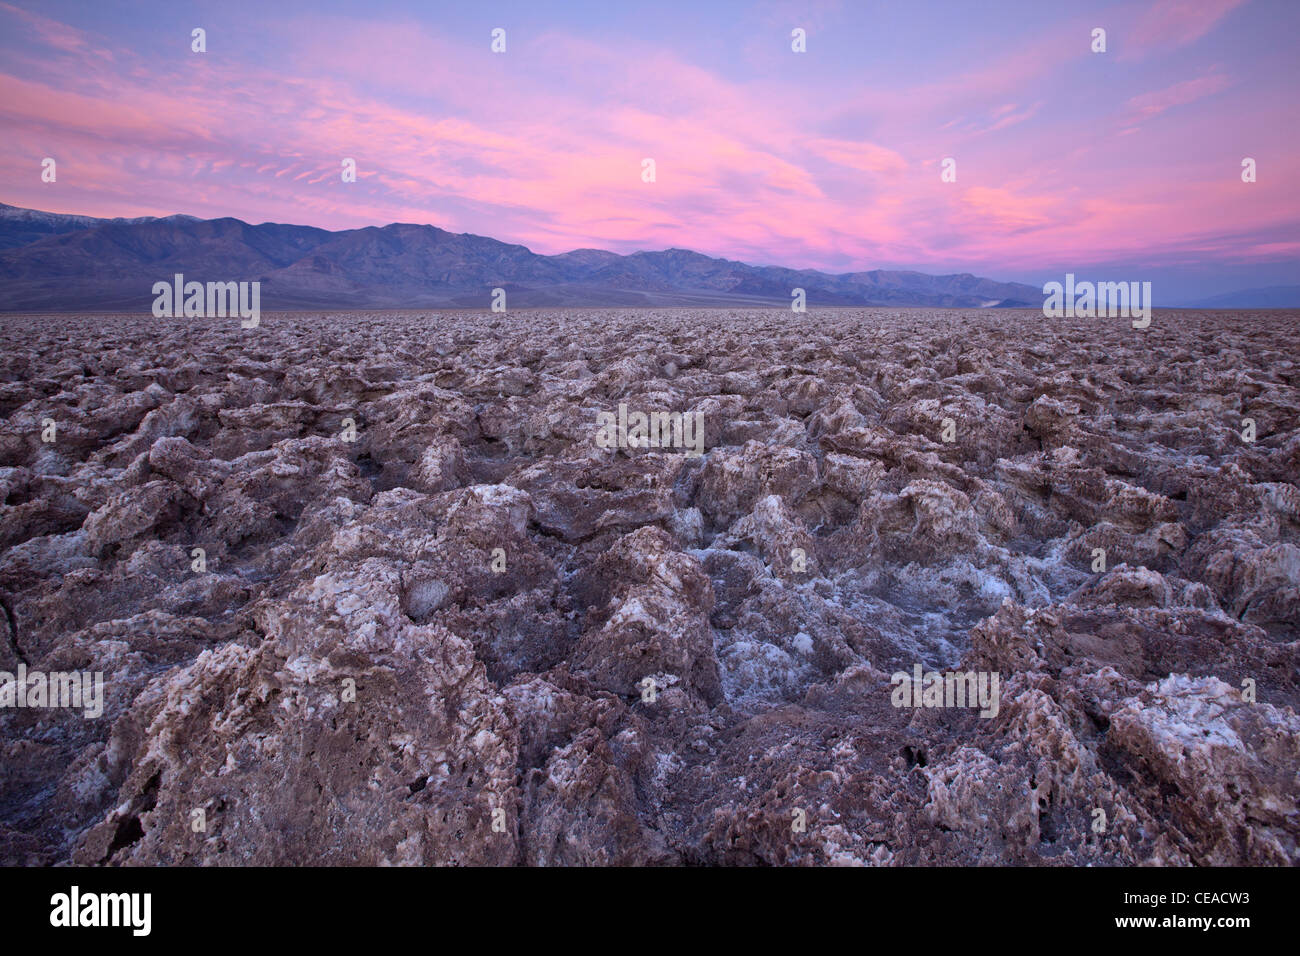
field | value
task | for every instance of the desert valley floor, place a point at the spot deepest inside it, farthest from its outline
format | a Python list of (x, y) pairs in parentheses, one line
[(365, 588)]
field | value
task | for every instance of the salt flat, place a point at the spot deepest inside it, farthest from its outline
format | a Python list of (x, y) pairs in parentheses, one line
[(373, 587)]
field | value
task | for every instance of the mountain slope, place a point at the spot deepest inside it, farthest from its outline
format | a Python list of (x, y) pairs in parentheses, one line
[(19, 227)]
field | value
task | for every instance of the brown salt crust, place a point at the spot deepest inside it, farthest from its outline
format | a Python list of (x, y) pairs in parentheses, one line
[(497, 588)]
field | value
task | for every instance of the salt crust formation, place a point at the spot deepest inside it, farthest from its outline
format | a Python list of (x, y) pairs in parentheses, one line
[(494, 589)]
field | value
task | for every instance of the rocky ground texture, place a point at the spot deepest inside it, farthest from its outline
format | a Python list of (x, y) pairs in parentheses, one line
[(431, 644)]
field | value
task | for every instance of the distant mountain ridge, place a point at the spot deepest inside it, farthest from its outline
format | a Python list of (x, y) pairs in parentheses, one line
[(54, 262), (19, 226), (1267, 297)]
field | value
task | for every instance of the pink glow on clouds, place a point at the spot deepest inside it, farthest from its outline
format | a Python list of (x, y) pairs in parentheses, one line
[(546, 148), (1147, 105), (1174, 23)]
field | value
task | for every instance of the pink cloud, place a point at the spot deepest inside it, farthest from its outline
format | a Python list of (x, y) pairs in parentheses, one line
[(1168, 24), (50, 32), (1005, 211), (1152, 104), (865, 157)]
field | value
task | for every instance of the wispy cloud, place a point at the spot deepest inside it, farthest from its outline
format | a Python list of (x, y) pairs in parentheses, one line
[(1169, 24), (1149, 105)]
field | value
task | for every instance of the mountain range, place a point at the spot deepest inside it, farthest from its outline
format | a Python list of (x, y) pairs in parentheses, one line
[(1268, 297), (54, 262)]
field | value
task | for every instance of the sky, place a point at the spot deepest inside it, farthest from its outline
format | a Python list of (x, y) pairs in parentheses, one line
[(1119, 166)]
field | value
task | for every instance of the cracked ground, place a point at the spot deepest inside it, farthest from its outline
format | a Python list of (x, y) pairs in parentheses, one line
[(432, 644)]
